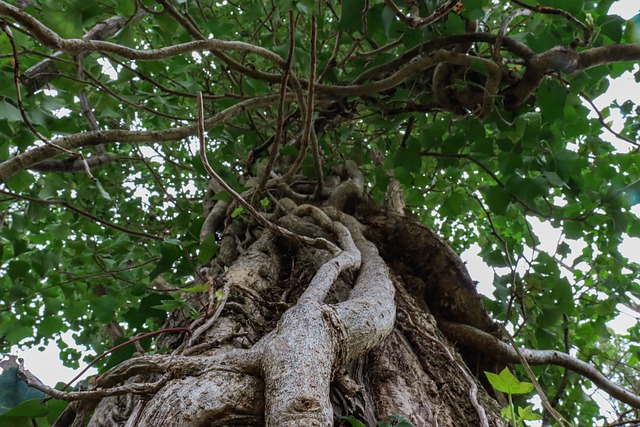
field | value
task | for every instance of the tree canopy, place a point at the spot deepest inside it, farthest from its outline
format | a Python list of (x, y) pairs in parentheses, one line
[(478, 109)]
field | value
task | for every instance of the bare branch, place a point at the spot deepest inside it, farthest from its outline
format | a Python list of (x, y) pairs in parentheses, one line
[(543, 397), (36, 155), (25, 119), (503, 29), (36, 77), (332, 61), (490, 345), (132, 388), (74, 165), (49, 38), (608, 54)]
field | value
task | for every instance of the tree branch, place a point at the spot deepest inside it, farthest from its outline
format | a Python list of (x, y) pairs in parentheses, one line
[(490, 345), (36, 155), (83, 213), (619, 52), (265, 173), (417, 22), (36, 77), (587, 32), (73, 165), (51, 39)]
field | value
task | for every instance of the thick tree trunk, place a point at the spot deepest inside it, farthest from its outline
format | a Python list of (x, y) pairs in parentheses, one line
[(301, 332)]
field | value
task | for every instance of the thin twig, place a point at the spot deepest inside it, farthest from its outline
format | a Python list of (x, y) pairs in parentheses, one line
[(124, 100), (543, 397), (85, 214), (565, 377), (166, 89), (605, 124), (489, 172), (211, 320), (503, 29), (309, 131), (264, 175), (332, 61), (587, 32), (121, 345), (381, 49), (417, 22)]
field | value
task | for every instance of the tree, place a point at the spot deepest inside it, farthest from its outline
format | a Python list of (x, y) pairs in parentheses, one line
[(253, 211)]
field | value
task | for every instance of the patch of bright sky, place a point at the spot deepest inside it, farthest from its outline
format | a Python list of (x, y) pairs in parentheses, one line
[(620, 89)]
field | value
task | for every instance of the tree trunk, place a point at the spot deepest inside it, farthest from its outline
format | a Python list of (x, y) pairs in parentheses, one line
[(341, 320)]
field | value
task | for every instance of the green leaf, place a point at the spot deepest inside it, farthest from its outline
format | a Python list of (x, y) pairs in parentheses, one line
[(237, 212), (196, 288), (497, 199), (9, 112), (125, 7), (408, 159), (473, 9), (527, 414), (51, 325), (20, 181), (551, 98), (33, 408), (505, 382), (611, 26), (104, 308), (388, 18), (18, 269), (170, 252), (353, 421), (17, 399), (351, 16), (171, 304)]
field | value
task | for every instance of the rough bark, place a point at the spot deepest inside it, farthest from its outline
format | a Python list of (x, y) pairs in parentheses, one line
[(306, 335)]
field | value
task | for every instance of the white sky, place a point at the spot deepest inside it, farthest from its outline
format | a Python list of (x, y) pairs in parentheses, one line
[(47, 366)]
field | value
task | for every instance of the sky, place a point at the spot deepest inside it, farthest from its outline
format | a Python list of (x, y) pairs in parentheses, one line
[(47, 366)]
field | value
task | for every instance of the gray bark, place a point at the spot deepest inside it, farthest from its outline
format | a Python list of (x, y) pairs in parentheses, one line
[(307, 335)]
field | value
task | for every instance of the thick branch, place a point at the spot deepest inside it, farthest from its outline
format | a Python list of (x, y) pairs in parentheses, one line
[(567, 60), (417, 65), (36, 155), (608, 54), (36, 77), (490, 345), (349, 259), (72, 165), (51, 39), (372, 298)]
